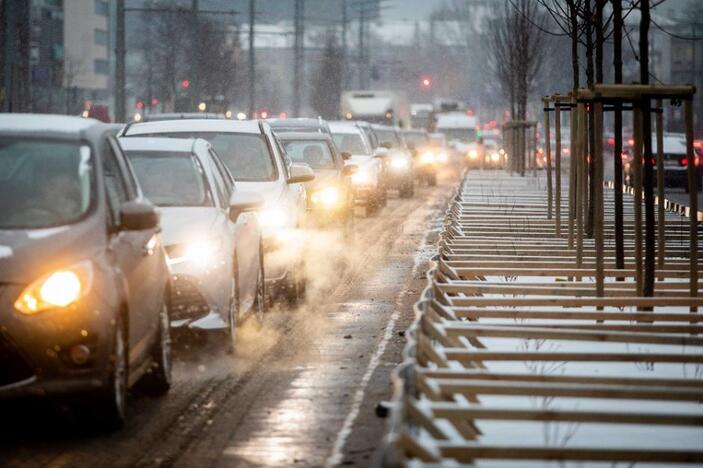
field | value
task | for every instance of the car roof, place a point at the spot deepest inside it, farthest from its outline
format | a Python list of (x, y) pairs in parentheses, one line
[(181, 145), (194, 125), (313, 136), (344, 128), (181, 115), (63, 126)]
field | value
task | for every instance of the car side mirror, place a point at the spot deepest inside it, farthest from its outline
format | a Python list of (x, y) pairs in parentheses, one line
[(300, 173), (242, 202), (386, 145), (350, 170), (346, 155), (138, 216)]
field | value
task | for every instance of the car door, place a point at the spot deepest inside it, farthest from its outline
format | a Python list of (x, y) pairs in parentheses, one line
[(244, 233), (135, 254)]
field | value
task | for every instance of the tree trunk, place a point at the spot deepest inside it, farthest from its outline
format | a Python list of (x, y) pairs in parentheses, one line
[(648, 182), (617, 151)]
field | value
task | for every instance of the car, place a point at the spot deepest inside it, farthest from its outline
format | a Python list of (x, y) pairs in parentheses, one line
[(367, 182), (211, 237), (399, 160), (84, 284), (427, 156), (675, 161), (299, 125), (330, 195), (494, 155), (259, 164)]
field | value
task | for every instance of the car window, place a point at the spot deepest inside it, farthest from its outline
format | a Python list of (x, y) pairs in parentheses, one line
[(128, 174), (114, 184), (186, 184), (350, 142), (388, 136), (315, 154), (44, 183), (220, 189), (246, 155)]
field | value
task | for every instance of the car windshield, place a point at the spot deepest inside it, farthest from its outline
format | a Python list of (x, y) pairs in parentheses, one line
[(465, 135), (315, 154), (246, 155), (171, 178), (351, 143), (388, 136), (416, 138), (43, 184)]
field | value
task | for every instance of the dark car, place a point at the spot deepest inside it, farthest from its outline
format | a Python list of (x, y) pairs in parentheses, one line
[(299, 125), (330, 198), (83, 277)]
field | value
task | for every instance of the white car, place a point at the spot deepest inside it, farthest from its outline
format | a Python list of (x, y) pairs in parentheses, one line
[(210, 234), (369, 190), (258, 164)]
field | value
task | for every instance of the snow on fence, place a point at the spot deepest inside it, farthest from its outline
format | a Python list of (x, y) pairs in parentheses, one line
[(514, 360)]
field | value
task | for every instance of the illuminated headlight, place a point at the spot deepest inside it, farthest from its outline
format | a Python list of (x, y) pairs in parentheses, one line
[(203, 253), (362, 177), (328, 197), (473, 154), (442, 157), (399, 163), (502, 151), (427, 158), (495, 157), (56, 290), (274, 217)]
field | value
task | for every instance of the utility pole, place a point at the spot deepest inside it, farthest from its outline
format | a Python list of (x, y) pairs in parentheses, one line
[(120, 111), (344, 44), (252, 58), (298, 51), (362, 71), (194, 68)]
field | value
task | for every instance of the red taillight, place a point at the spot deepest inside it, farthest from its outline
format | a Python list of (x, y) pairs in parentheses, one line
[(696, 161), (631, 142), (683, 161), (611, 141), (698, 143)]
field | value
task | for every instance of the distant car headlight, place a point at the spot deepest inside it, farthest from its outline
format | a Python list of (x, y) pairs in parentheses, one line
[(495, 157), (362, 177), (328, 197), (57, 289), (399, 163), (427, 158), (443, 157), (203, 253), (274, 217), (473, 154)]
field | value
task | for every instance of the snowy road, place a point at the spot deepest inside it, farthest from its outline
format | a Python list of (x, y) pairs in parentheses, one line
[(300, 391)]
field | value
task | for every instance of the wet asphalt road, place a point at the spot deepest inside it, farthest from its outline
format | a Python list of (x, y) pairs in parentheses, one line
[(300, 389)]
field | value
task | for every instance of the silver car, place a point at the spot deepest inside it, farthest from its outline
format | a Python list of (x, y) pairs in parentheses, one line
[(211, 234)]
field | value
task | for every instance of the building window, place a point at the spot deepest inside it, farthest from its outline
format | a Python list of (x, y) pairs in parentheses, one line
[(100, 37), (101, 8), (101, 67)]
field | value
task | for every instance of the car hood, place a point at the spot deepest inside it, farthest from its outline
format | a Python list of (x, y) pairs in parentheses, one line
[(27, 254), (186, 224), (362, 161), (323, 178), (272, 192)]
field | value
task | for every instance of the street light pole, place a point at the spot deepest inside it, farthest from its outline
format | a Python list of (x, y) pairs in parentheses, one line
[(120, 110), (252, 57)]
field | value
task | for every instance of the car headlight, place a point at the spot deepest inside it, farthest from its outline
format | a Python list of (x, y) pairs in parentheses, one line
[(328, 197), (274, 217), (202, 253), (442, 157), (495, 157), (362, 177), (473, 154), (427, 158), (399, 163), (56, 290)]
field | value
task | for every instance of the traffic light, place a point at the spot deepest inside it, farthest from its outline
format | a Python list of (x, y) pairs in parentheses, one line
[(426, 82), (185, 83)]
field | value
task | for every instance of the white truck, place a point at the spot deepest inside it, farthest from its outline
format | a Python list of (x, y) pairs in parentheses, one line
[(382, 107), (460, 130)]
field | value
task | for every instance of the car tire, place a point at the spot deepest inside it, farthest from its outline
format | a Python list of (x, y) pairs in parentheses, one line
[(371, 208), (432, 180), (157, 380), (233, 319), (260, 302), (407, 190), (108, 406), (348, 227)]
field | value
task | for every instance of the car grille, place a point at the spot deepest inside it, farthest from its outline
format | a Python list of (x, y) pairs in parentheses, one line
[(186, 300), (13, 367)]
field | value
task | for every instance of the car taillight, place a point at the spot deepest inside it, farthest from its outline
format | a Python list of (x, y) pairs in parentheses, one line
[(683, 161), (611, 141)]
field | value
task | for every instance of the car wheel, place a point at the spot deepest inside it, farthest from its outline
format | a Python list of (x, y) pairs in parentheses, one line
[(432, 180), (371, 209), (348, 228), (157, 381), (109, 405), (231, 334)]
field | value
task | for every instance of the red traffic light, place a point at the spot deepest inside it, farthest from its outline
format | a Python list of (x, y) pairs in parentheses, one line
[(140, 105), (154, 101), (185, 83), (426, 82)]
